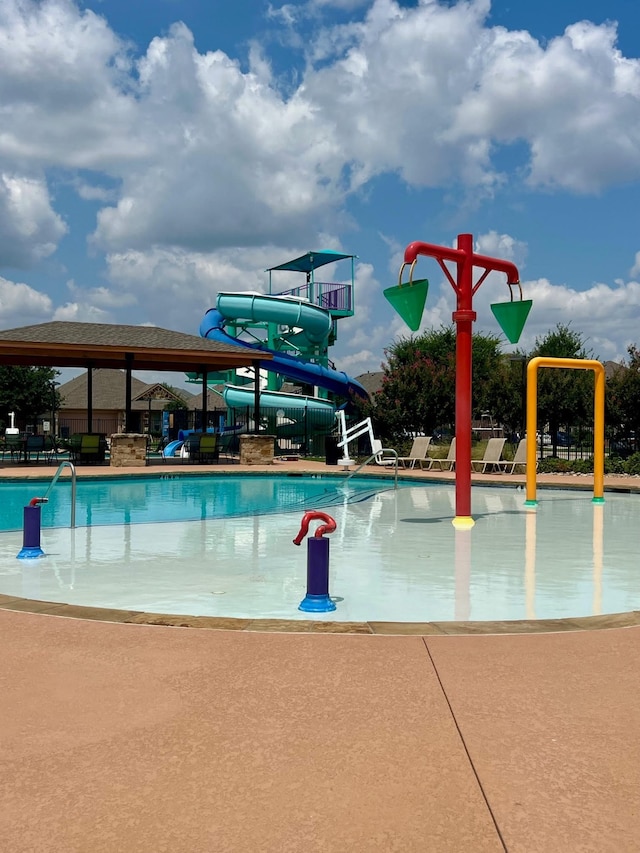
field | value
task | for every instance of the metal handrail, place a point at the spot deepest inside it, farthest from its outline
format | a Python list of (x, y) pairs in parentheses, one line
[(61, 466), (371, 458)]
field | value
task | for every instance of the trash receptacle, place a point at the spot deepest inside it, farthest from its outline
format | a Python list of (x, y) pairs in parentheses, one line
[(331, 450)]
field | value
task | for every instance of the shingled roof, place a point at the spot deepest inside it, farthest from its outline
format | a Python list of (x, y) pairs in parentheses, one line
[(66, 344), (108, 392), (371, 382)]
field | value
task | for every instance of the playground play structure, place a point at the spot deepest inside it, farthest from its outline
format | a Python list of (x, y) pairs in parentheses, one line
[(598, 415), (296, 327), (409, 299)]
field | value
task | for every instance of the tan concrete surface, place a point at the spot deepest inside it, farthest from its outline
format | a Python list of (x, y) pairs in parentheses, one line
[(158, 467), (141, 738), (137, 738), (552, 725), (133, 737)]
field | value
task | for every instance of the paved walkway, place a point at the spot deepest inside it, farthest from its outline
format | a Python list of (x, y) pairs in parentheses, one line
[(160, 466), (138, 738), (144, 739)]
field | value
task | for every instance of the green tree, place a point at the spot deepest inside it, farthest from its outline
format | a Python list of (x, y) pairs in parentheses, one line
[(565, 396), (29, 392), (418, 388), (623, 395), (507, 392)]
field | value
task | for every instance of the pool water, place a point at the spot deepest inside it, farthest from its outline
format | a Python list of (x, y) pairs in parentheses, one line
[(174, 497), (395, 556)]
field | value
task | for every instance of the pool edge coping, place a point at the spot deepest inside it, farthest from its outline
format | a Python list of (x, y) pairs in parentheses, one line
[(627, 619)]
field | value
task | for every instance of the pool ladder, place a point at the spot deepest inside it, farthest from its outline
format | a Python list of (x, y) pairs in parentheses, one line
[(372, 457), (61, 467)]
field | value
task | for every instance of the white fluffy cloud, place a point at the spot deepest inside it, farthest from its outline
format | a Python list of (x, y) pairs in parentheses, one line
[(209, 155), (29, 228), (177, 287), (207, 171), (66, 88), (21, 305)]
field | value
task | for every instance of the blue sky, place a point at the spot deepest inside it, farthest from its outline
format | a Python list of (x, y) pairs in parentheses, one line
[(155, 152)]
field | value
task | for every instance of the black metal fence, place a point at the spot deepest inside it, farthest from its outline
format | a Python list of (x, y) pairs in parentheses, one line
[(299, 430), (577, 443)]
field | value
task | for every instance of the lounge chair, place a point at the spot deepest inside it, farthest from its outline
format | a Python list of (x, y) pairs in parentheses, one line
[(417, 453), (492, 456), (450, 460), (520, 458)]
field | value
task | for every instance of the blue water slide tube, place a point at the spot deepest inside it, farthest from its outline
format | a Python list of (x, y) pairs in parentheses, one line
[(294, 368), (172, 448)]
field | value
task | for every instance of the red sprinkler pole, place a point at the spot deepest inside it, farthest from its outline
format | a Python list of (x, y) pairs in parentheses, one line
[(464, 315)]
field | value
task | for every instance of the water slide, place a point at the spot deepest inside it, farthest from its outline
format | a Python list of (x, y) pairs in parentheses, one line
[(174, 448), (237, 396), (307, 320)]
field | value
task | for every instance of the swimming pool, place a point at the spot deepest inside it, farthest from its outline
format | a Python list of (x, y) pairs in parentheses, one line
[(394, 557), (176, 497)]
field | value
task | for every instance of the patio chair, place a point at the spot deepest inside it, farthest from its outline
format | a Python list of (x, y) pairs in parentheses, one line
[(520, 458), (91, 448), (13, 445), (189, 449), (33, 446), (380, 458), (50, 448), (155, 447), (449, 461), (207, 449), (417, 453), (492, 456)]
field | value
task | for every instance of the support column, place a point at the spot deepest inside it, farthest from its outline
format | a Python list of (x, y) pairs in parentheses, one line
[(256, 396), (128, 426), (205, 415), (90, 397)]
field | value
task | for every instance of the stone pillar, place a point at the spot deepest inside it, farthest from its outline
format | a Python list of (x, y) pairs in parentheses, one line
[(257, 449), (128, 450)]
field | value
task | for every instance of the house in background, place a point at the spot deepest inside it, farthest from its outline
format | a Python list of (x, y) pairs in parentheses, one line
[(148, 401), (371, 382)]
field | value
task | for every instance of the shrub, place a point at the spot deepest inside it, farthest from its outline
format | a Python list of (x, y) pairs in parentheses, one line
[(614, 465), (552, 465), (632, 465)]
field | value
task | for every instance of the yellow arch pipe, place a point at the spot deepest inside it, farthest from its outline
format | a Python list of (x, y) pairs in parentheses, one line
[(598, 414)]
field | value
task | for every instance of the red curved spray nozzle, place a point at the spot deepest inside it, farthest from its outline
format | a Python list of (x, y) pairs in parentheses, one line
[(37, 501), (328, 527)]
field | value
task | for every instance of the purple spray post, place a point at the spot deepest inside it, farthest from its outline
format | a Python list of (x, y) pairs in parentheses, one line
[(317, 598), (31, 530)]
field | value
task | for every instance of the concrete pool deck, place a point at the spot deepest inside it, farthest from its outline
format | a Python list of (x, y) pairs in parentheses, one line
[(139, 737)]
